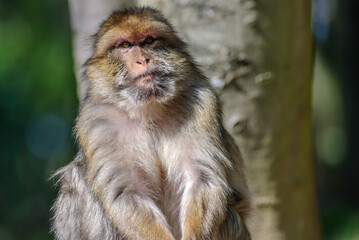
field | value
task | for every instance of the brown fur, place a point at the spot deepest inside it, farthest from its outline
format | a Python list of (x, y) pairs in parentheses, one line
[(155, 161)]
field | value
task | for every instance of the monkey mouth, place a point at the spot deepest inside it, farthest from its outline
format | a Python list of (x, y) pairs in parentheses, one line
[(145, 80), (150, 84), (143, 76), (150, 74)]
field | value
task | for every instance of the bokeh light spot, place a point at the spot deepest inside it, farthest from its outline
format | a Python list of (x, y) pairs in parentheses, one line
[(332, 145)]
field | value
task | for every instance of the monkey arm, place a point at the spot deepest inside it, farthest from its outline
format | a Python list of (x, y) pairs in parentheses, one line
[(239, 199), (215, 200), (204, 200), (128, 204), (216, 190), (232, 228)]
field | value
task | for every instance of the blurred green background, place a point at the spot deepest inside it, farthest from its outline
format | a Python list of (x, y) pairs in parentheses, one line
[(336, 116), (38, 106), (37, 110)]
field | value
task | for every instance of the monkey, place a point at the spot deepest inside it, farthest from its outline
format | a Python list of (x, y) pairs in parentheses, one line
[(154, 160)]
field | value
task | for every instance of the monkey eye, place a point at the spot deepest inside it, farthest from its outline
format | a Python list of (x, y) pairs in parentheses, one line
[(123, 45), (149, 40)]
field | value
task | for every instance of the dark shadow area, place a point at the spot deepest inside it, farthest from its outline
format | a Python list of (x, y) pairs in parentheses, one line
[(337, 116)]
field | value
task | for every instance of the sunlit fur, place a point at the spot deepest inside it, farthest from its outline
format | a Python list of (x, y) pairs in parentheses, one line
[(154, 160)]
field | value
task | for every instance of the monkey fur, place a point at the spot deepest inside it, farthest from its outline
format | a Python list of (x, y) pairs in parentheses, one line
[(154, 160)]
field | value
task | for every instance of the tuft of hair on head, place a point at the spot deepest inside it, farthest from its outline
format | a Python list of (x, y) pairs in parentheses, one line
[(135, 19), (118, 16)]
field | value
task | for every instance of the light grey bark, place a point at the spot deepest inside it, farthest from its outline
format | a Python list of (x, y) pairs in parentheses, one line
[(258, 54)]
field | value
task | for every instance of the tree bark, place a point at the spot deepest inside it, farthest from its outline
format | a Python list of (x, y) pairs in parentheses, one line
[(258, 55)]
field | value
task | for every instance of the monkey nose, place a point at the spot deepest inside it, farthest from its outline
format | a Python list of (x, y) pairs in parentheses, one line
[(142, 60)]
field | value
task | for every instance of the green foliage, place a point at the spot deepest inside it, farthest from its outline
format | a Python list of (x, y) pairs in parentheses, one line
[(341, 222), (37, 106)]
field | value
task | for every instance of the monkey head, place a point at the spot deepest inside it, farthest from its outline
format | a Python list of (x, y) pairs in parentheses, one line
[(138, 58)]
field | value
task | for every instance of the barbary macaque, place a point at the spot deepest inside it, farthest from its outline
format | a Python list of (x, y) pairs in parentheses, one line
[(154, 160)]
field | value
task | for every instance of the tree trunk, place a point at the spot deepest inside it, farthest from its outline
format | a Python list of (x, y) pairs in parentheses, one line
[(258, 54)]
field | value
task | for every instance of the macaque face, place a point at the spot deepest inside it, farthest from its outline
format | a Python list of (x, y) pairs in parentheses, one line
[(141, 57)]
